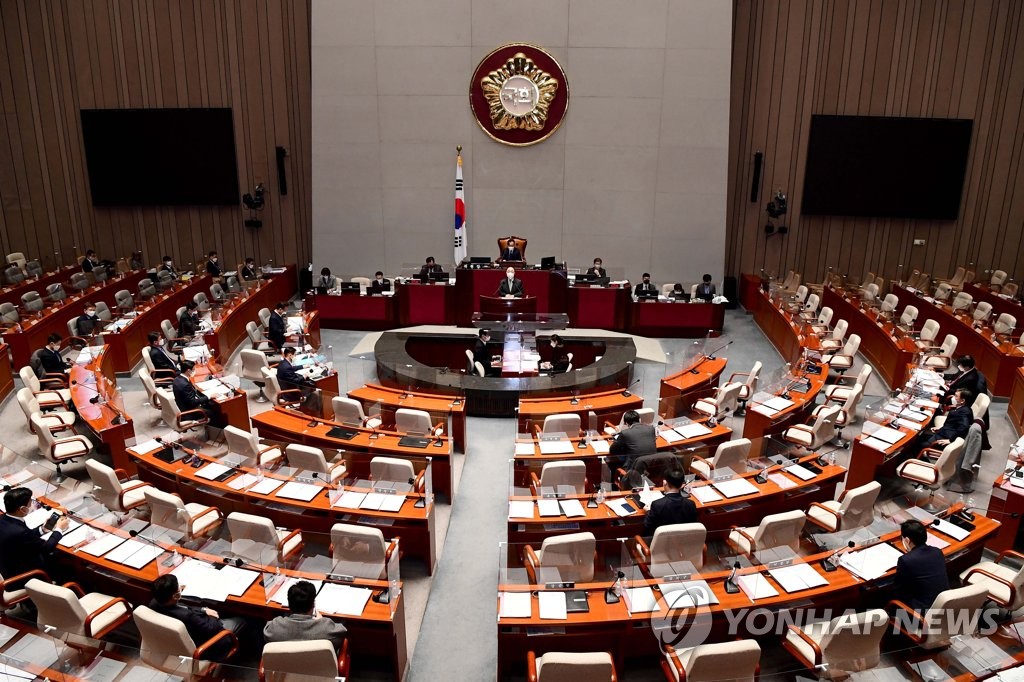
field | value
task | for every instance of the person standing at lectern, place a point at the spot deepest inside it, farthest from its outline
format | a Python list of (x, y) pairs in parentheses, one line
[(646, 287), (511, 252), (511, 286)]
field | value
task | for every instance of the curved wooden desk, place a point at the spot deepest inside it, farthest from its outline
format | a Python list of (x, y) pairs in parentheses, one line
[(231, 317), (758, 424), (440, 407), (105, 422), (681, 390), (13, 293), (593, 407), (414, 525), (289, 426)]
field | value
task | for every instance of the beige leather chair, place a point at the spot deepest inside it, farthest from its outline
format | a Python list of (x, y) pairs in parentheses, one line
[(982, 312), (360, 551), (572, 472), (732, 454), (925, 473), (646, 414), (672, 544), (748, 388), (191, 520), (572, 556), (847, 643), (820, 325), (962, 302), (275, 393), (1005, 584), (854, 508), (114, 489), (59, 450), (147, 289), (943, 292), (166, 643), (945, 619), (847, 413), (303, 661), (308, 458), (79, 281), (257, 540), (957, 280), (350, 411), (395, 469), (161, 377), (725, 401), (52, 395), (9, 314), (1004, 326), (557, 666), (836, 338), (259, 341), (738, 661), (816, 434), (998, 278), (32, 302), (55, 420), (150, 387), (908, 317), (944, 357), (889, 304), (929, 332), (474, 366), (562, 423), (177, 419), (416, 422), (870, 294), (253, 364), (1009, 290), (810, 309), (775, 530), (247, 444), (12, 589), (217, 292), (843, 360), (840, 390), (17, 258), (71, 611)]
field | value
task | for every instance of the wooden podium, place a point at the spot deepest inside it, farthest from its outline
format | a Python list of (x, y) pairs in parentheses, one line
[(499, 308)]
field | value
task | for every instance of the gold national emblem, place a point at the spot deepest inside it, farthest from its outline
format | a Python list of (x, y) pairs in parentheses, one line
[(519, 94)]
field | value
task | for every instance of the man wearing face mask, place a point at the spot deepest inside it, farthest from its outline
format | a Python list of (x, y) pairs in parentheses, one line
[(212, 268), (187, 397), (50, 358), (188, 324), (161, 358), (511, 252), (22, 549), (168, 266), (958, 420), (511, 286), (646, 288), (598, 272), (559, 363), (87, 322), (921, 572), (379, 285)]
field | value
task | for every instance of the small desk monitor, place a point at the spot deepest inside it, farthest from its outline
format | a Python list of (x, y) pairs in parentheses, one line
[(547, 263), (437, 276), (349, 287)]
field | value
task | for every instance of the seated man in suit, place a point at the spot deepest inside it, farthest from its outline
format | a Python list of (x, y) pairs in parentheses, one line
[(201, 623), (135, 261), (188, 323), (511, 252), (288, 374), (249, 272), (427, 268), (379, 285), (87, 323), (50, 358), (634, 440), (302, 621), (958, 420), (327, 281), (167, 264), (22, 549), (921, 572), (598, 272), (159, 355), (90, 261), (212, 268), (677, 293), (559, 363), (188, 397), (646, 288), (511, 286), (673, 507), (706, 290), (277, 329), (482, 354)]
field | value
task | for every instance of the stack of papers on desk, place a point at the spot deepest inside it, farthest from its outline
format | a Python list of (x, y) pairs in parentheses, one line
[(134, 554), (781, 481), (876, 444), (556, 447), (212, 471), (800, 472), (796, 577), (280, 589), (671, 436), (641, 600), (887, 435), (293, 490), (36, 518), (86, 355), (600, 446), (344, 600), (197, 354), (116, 326), (382, 502), (242, 482), (572, 508), (33, 649), (515, 605), (76, 533), (620, 506), (756, 586), (909, 424), (205, 581), (872, 562), (525, 449), (686, 595), (266, 486), (648, 496), (103, 544), (914, 415), (214, 388), (927, 404), (772, 406), (552, 605), (705, 494), (735, 487), (694, 430), (549, 507), (520, 509), (146, 446)]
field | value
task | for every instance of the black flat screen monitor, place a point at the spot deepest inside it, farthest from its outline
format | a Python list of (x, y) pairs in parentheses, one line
[(437, 276), (547, 263), (349, 287), (878, 166), (160, 157)]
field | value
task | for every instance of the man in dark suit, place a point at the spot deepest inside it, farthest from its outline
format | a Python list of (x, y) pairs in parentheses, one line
[(187, 397), (706, 290), (559, 363), (511, 286), (23, 549), (673, 507), (921, 572), (277, 329), (958, 420), (188, 324), (50, 358), (288, 374), (167, 264), (90, 261), (511, 252), (598, 272), (212, 268), (159, 355), (645, 288), (302, 621), (482, 354), (249, 272), (87, 322), (427, 268), (379, 285), (632, 442), (968, 376), (202, 624)]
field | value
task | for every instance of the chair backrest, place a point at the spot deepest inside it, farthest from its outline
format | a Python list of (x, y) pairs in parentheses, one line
[(273, 387), (103, 311), (99, 273), (167, 510), (871, 292), (980, 405), (147, 359), (946, 464), (146, 288), (889, 303), (813, 301), (305, 660), (167, 327), (929, 330), (231, 284), (124, 300), (16, 258), (909, 315), (72, 326), (779, 530), (307, 457), (825, 316), (1010, 289), (34, 268), (728, 396), (948, 345), (562, 423), (13, 274), (412, 421), (646, 414), (958, 277), (253, 537), (361, 548), (852, 641), (736, 661), (57, 606), (849, 406), (564, 666), (839, 331), (202, 301), (942, 291), (264, 315), (9, 313), (150, 387), (1005, 324), (571, 472), (252, 330), (998, 277), (217, 292), (32, 302), (982, 311), (28, 403), (852, 345), (253, 364), (732, 454), (169, 409), (947, 616), (962, 301), (858, 506), (519, 242), (347, 410), (162, 637), (864, 374), (164, 278), (677, 542), (55, 291), (572, 555), (106, 487), (801, 294), (391, 469), (244, 443), (78, 280), (823, 428), (29, 378), (44, 436), (969, 277)]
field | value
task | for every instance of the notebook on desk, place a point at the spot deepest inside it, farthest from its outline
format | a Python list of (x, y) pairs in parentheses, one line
[(414, 441), (342, 433)]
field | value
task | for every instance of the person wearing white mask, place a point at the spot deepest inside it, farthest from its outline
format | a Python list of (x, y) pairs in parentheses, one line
[(379, 285), (511, 286), (212, 268), (87, 322), (161, 358), (22, 549)]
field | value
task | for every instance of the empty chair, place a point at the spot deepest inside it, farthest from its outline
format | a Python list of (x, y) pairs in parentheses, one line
[(217, 292), (732, 454), (747, 389), (908, 317), (78, 281), (847, 643), (12, 588), (571, 473), (942, 292), (99, 273), (670, 545), (59, 450), (34, 269), (725, 401), (114, 489), (843, 360), (360, 551), (559, 666), (942, 359), (792, 280), (954, 612), (350, 411), (836, 338), (962, 302), (889, 304), (394, 469), (192, 520), (854, 508), (264, 316), (54, 420), (303, 660), (840, 390), (847, 413), (982, 312), (124, 300), (998, 277), (775, 530), (247, 444), (957, 280), (32, 302), (929, 332), (562, 423), (103, 311), (801, 294), (231, 284), (737, 661), (202, 301), (308, 458), (871, 293), (17, 258), (1005, 584), (169, 331), (363, 282), (1004, 326), (70, 610), (147, 289), (816, 434), (253, 364), (259, 341), (925, 473), (52, 395), (165, 279), (176, 418), (276, 394), (13, 275), (821, 324), (1009, 290), (166, 643), (473, 366), (416, 422), (55, 292), (256, 539), (149, 386), (562, 558), (810, 310), (9, 314)]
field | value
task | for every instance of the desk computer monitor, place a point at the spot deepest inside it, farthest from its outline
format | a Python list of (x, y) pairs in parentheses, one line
[(321, 291), (585, 277), (547, 263), (437, 276), (648, 295), (480, 260), (349, 287)]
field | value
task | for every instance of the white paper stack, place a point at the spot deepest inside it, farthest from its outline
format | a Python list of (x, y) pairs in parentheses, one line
[(671, 436), (694, 430), (600, 446), (800, 472), (242, 482), (103, 544), (293, 490), (705, 494), (556, 447), (796, 577), (549, 507), (872, 562), (756, 586), (641, 600), (525, 449), (134, 554), (552, 605), (620, 507), (344, 600), (687, 595), (572, 508), (515, 605), (520, 509), (212, 471), (781, 481), (145, 447), (735, 487)]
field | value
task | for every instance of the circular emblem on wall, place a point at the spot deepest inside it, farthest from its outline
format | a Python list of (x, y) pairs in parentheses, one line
[(519, 94)]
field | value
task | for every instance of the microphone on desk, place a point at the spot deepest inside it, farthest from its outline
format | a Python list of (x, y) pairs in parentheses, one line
[(831, 562), (575, 397), (711, 355), (172, 559), (730, 583), (626, 393), (611, 593)]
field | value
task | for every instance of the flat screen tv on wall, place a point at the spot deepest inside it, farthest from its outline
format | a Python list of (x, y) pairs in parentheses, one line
[(160, 157), (886, 167)]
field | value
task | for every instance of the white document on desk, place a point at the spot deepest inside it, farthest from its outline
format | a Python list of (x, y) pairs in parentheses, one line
[(146, 447), (641, 600), (515, 605), (552, 605), (781, 481), (242, 482), (266, 486), (685, 595), (525, 449), (239, 578), (280, 595), (876, 444), (796, 577), (212, 471), (520, 509), (600, 446), (549, 507), (671, 436), (872, 562), (890, 436), (103, 544), (293, 490), (756, 586), (392, 503), (572, 508), (705, 494), (620, 506), (800, 472), (134, 554), (909, 424), (778, 403), (372, 501), (73, 537), (343, 600), (693, 430), (947, 528), (350, 500), (735, 487), (556, 447)]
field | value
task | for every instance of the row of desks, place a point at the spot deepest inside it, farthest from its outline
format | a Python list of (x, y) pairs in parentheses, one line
[(13, 293)]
